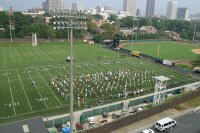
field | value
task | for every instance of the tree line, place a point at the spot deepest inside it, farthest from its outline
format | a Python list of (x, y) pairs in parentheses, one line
[(23, 26)]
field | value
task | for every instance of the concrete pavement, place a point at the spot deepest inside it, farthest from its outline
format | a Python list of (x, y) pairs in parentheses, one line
[(149, 122)]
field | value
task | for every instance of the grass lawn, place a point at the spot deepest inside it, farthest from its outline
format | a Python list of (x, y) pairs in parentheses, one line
[(26, 74), (168, 50)]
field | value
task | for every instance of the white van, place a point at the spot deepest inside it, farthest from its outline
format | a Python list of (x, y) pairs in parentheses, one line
[(165, 123)]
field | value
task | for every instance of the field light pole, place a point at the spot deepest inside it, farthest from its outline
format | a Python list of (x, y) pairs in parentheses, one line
[(195, 26), (70, 19), (157, 29), (10, 11), (133, 31)]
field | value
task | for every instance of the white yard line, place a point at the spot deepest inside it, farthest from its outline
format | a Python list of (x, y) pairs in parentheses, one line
[(49, 87), (22, 51), (4, 56), (24, 90), (11, 93), (41, 52), (37, 90), (31, 53), (11, 56), (51, 49), (18, 55)]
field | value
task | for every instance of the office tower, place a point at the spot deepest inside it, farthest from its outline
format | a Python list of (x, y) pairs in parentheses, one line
[(50, 5), (182, 13), (130, 7), (171, 9), (77, 6), (150, 7), (107, 8), (138, 14)]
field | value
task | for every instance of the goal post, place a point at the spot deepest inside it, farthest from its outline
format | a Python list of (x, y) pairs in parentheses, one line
[(34, 39)]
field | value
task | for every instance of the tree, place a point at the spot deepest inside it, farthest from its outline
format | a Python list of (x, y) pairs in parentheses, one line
[(184, 35), (110, 30), (91, 27), (97, 16), (196, 62), (98, 38), (112, 18)]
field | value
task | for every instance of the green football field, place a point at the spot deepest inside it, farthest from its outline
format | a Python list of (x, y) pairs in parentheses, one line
[(99, 75), (167, 50)]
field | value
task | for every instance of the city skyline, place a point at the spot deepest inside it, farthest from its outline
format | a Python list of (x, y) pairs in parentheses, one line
[(160, 6)]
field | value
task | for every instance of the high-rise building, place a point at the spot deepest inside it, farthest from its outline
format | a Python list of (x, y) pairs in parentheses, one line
[(1, 9), (50, 5), (130, 6), (107, 8), (77, 6), (150, 8), (138, 14), (171, 9), (182, 13)]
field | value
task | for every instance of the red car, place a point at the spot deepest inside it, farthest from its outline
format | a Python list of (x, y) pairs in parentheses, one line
[(79, 126)]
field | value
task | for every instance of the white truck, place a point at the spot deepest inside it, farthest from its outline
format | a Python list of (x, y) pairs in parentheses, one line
[(168, 62)]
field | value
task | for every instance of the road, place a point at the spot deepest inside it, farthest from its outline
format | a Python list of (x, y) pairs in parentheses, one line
[(189, 123)]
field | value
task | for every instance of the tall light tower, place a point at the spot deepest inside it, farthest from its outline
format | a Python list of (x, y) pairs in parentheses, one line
[(158, 22), (133, 27), (10, 24), (70, 19), (195, 26), (160, 86)]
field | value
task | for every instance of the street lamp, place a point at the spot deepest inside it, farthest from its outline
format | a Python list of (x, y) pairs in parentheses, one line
[(195, 26), (157, 29), (69, 19)]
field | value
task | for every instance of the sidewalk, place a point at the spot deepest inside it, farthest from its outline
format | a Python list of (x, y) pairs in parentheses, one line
[(147, 123)]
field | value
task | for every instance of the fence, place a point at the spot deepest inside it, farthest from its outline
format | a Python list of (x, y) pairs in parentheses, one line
[(148, 99), (52, 123), (142, 115), (100, 111)]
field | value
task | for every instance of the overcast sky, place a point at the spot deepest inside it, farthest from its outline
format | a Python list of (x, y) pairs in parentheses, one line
[(161, 5)]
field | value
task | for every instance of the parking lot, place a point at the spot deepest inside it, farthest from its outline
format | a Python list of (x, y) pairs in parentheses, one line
[(188, 123)]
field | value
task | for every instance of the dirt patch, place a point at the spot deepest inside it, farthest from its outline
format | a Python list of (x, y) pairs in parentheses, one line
[(196, 51)]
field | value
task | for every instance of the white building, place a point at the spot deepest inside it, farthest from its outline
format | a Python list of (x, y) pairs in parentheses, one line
[(183, 13), (92, 11), (130, 6), (77, 6), (122, 14), (150, 8), (171, 9)]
